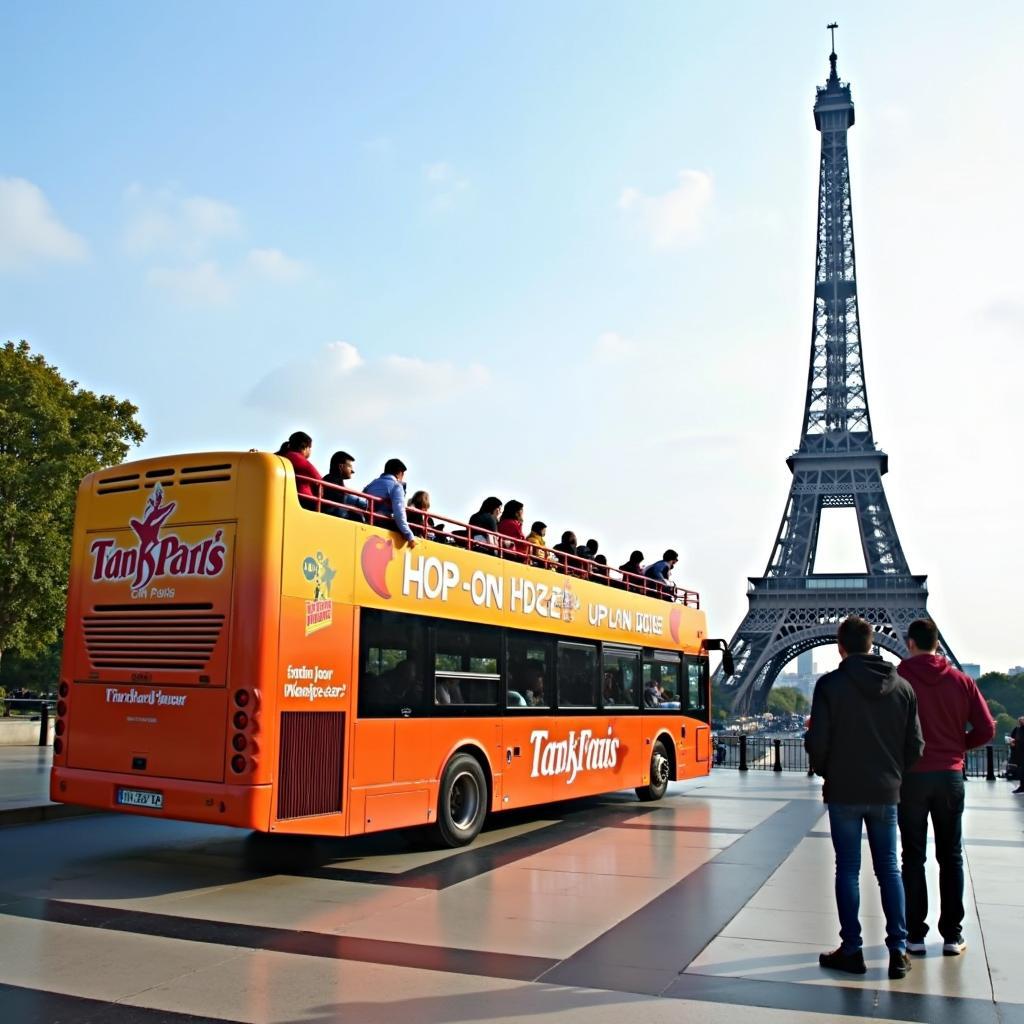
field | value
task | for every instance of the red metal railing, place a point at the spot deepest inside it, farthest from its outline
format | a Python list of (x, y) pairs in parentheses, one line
[(333, 499)]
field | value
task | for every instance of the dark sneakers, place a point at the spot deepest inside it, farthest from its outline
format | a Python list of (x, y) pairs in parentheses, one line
[(837, 960), (899, 965)]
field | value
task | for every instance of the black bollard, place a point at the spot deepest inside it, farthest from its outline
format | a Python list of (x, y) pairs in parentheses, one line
[(44, 723), (743, 753), (777, 767), (990, 764)]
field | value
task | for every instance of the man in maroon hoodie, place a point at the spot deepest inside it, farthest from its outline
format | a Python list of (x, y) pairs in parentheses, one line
[(947, 700)]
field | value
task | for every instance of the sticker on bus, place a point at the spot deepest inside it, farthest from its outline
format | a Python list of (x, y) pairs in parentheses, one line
[(140, 798)]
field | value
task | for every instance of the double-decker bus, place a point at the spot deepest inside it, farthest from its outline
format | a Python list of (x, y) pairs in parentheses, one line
[(235, 653)]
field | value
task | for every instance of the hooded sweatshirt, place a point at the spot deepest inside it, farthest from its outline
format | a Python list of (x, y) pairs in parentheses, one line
[(946, 701), (864, 731)]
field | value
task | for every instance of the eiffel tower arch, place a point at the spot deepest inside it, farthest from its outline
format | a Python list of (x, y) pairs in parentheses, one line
[(837, 465)]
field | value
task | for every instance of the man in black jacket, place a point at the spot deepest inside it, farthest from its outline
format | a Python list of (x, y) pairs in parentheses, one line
[(864, 734)]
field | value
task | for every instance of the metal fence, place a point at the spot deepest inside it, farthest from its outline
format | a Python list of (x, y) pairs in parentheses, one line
[(769, 753)]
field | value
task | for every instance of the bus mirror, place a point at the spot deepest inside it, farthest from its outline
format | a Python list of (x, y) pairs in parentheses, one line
[(728, 665)]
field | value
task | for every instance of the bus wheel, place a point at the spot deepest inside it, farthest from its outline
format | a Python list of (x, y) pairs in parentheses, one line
[(661, 768), (461, 801)]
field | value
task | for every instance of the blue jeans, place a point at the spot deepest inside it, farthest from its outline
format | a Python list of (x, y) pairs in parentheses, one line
[(846, 822)]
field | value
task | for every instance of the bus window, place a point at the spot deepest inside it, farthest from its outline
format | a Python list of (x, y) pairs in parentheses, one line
[(661, 680), (529, 678), (391, 664), (696, 688), (620, 678), (466, 664), (577, 675)]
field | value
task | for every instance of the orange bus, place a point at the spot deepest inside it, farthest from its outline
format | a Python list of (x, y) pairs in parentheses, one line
[(236, 654)]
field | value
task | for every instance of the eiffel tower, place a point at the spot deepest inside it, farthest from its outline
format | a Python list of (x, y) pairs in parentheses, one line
[(837, 465)]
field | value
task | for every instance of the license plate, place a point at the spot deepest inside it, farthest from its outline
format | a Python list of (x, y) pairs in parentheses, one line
[(140, 798)]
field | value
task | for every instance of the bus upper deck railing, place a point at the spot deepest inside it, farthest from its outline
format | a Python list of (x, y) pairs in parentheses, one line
[(333, 499)]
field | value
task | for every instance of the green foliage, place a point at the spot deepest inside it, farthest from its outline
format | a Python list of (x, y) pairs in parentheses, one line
[(787, 700), (1007, 691), (52, 433), (39, 673), (1004, 726)]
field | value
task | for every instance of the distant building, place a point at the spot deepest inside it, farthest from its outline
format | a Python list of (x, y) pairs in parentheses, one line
[(974, 671), (1016, 670), (805, 664)]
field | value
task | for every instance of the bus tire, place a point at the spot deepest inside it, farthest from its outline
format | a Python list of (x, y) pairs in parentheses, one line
[(461, 801), (661, 768)]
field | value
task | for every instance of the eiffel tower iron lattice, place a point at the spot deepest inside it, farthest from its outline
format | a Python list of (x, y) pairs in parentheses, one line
[(837, 465)]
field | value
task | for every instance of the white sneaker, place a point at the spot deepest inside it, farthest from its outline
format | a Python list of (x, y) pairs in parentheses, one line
[(916, 948), (954, 948)]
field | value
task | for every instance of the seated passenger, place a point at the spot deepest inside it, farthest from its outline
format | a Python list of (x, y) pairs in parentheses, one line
[(567, 550), (539, 549), (511, 526), (343, 469), (599, 570), (588, 550), (419, 522), (297, 450), (534, 685), (653, 694), (484, 522), (613, 691), (658, 571), (389, 490), (634, 567), (447, 691)]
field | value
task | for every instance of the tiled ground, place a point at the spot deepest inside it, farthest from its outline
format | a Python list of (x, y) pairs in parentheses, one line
[(715, 902)]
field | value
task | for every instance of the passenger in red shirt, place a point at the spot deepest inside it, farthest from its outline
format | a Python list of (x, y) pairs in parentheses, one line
[(947, 701), (297, 450), (511, 525)]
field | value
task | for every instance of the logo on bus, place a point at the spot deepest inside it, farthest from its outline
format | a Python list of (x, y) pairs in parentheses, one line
[(374, 560), (319, 611), (579, 752), (154, 555)]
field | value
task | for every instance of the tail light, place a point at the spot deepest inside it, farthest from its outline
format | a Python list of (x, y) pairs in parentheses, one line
[(242, 698), (58, 746), (238, 764), (241, 719), (238, 741)]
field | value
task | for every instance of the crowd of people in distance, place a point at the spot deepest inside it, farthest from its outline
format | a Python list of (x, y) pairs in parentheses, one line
[(496, 526)]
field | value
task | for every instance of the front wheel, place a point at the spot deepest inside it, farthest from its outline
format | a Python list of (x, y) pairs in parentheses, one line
[(661, 768), (461, 801)]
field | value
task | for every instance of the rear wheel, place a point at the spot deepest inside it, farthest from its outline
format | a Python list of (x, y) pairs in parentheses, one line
[(461, 801), (661, 768)]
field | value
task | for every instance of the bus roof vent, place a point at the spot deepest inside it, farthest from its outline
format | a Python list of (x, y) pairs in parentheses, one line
[(117, 484)]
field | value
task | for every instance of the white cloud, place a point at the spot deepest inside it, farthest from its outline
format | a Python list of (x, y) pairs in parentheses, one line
[(30, 232), (337, 388), (274, 265), (163, 221), (611, 347), (676, 217), (201, 285), (445, 183)]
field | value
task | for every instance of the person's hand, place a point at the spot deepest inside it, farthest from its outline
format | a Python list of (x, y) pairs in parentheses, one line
[(411, 541)]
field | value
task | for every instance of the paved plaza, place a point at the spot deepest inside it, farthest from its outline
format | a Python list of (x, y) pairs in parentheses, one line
[(712, 905)]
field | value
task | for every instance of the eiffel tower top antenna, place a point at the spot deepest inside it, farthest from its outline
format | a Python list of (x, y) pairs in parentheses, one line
[(832, 26)]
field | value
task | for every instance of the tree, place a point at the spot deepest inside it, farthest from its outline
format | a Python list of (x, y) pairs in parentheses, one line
[(786, 700), (52, 433), (1003, 689)]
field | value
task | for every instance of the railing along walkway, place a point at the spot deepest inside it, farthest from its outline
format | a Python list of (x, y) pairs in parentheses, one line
[(771, 753)]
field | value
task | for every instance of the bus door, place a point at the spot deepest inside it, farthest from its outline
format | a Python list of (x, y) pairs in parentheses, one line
[(696, 706)]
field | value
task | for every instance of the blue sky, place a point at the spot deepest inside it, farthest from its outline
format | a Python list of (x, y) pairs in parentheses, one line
[(559, 252)]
